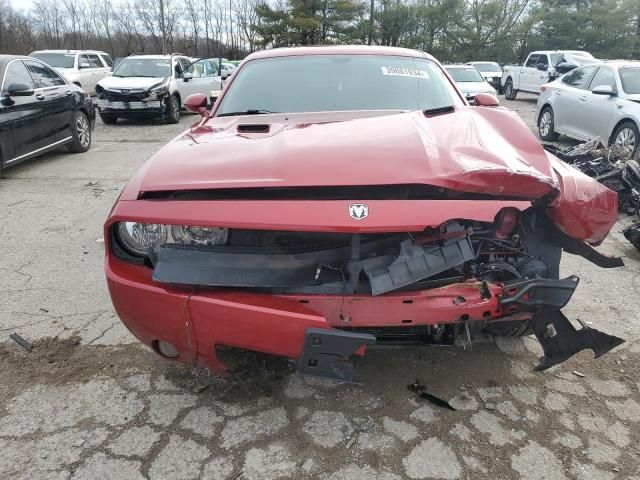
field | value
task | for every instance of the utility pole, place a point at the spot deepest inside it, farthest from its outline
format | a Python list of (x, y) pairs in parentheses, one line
[(371, 22), (164, 45)]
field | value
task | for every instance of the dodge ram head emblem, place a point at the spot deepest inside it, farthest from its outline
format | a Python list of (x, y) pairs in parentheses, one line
[(358, 211), (125, 91)]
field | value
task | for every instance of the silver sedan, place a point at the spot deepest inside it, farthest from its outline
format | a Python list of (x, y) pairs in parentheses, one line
[(595, 101)]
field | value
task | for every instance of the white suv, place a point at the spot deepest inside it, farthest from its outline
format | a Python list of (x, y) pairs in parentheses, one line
[(85, 68), (155, 86)]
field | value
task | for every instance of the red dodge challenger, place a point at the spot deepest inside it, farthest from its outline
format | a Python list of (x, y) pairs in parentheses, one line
[(339, 197)]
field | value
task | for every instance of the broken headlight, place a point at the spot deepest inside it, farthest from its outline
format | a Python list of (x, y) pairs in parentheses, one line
[(158, 92), (141, 238)]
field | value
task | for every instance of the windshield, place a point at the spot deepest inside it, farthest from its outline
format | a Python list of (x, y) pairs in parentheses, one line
[(318, 83), (467, 74), (58, 60), (487, 66), (630, 79), (143, 67)]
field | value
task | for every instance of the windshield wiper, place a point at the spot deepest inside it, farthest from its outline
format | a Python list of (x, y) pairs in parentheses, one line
[(246, 112)]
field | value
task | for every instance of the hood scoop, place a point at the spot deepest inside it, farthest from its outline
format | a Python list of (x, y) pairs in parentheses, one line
[(253, 128), (433, 112)]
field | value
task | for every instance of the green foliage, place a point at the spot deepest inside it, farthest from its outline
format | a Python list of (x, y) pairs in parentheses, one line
[(460, 30)]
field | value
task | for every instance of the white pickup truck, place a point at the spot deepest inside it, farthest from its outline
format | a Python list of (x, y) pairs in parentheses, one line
[(541, 67)]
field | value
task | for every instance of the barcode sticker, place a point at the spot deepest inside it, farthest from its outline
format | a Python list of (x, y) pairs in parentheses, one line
[(405, 72)]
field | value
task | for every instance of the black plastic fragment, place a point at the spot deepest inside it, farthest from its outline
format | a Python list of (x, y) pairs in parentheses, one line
[(632, 234), (539, 292), (326, 354), (419, 389), (560, 340), (21, 341), (415, 263)]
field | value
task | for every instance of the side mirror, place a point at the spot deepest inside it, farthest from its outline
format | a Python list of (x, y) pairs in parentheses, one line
[(542, 67), (19, 90), (197, 103), (187, 76), (486, 100), (84, 65), (604, 90)]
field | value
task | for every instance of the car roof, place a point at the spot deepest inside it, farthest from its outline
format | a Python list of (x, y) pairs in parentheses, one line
[(338, 50), (458, 65), (4, 59), (620, 63), (481, 61), (158, 57), (71, 51), (561, 51)]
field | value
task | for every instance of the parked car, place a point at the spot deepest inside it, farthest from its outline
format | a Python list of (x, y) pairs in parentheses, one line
[(470, 81), (154, 86), (539, 68), (310, 219), (595, 101), (491, 72), (85, 68), (40, 111)]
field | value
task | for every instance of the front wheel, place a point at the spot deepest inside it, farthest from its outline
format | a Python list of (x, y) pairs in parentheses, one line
[(81, 134), (509, 92), (626, 138), (546, 125), (173, 105)]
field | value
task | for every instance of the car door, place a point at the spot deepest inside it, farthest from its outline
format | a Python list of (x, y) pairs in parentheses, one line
[(200, 77), (569, 104), (539, 77), (59, 98), (23, 119), (525, 72), (99, 70), (592, 119)]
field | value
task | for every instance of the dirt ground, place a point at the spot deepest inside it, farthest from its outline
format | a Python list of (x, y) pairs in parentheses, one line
[(88, 402)]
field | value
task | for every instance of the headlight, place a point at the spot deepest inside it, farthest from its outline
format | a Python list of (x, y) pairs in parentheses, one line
[(188, 235), (157, 92), (140, 239)]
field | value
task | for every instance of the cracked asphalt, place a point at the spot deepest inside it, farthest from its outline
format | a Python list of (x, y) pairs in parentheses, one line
[(88, 402)]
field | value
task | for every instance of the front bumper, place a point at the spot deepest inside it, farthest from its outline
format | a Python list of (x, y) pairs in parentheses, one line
[(197, 320), (132, 109)]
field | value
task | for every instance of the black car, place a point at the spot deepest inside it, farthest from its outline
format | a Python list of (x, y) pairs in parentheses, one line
[(40, 111)]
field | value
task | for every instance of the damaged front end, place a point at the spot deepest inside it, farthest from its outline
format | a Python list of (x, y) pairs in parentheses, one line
[(384, 287)]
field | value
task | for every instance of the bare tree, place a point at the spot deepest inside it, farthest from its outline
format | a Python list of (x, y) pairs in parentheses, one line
[(193, 13)]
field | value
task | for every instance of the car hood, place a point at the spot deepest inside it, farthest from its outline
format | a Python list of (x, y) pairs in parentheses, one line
[(482, 150), (471, 149), (475, 87), (491, 74), (134, 83)]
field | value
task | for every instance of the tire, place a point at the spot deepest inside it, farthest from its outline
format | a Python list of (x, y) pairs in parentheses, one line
[(546, 125), (509, 329), (509, 92), (627, 136), (81, 134), (173, 104), (108, 119)]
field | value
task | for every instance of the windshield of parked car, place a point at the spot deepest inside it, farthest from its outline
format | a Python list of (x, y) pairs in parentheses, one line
[(318, 83), (487, 66), (630, 79), (469, 74), (143, 67), (58, 60)]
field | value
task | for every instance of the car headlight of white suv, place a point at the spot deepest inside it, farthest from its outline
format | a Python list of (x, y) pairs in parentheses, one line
[(158, 92)]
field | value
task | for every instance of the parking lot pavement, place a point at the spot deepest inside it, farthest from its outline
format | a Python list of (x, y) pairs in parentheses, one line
[(89, 402)]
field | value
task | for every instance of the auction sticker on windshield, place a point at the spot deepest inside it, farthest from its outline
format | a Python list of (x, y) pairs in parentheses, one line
[(404, 72)]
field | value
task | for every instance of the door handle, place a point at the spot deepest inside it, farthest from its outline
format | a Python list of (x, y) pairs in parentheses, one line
[(68, 92), (583, 98), (40, 96)]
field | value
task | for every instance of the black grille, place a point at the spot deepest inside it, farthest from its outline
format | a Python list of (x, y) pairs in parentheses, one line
[(253, 128), (122, 97)]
